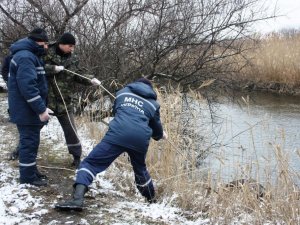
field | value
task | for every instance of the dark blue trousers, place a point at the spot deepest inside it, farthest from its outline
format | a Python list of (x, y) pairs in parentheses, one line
[(28, 147), (103, 155)]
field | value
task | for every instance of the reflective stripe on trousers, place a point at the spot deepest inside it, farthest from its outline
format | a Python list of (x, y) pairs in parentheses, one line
[(29, 141)]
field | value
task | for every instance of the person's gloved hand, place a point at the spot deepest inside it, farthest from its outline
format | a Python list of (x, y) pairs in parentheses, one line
[(165, 135), (59, 68), (45, 115), (95, 81)]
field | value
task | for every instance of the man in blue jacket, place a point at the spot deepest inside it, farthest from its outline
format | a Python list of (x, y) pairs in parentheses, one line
[(5, 67), (27, 93), (136, 120)]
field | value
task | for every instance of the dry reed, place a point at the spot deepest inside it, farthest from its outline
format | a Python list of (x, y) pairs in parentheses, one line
[(276, 60)]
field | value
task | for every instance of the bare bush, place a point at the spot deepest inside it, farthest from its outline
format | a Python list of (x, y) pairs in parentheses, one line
[(184, 41)]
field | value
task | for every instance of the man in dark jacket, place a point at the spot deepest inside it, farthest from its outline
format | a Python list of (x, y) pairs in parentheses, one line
[(4, 72), (136, 120), (5, 67), (27, 93), (60, 83)]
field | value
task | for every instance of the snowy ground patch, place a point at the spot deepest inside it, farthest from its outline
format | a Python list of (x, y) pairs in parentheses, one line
[(17, 205), (3, 85)]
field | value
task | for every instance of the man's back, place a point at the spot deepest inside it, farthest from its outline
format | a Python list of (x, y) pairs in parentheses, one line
[(136, 117)]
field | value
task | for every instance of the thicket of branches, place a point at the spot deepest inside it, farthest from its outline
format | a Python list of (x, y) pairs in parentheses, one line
[(186, 41)]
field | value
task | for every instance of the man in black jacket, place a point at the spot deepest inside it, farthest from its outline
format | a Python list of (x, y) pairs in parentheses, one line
[(5, 67)]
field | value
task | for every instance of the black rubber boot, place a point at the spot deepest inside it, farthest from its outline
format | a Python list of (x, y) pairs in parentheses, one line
[(14, 155), (40, 175), (38, 183), (152, 200), (76, 162), (76, 203)]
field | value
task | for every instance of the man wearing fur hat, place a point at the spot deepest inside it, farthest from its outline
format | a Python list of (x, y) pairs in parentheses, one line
[(60, 56), (27, 93)]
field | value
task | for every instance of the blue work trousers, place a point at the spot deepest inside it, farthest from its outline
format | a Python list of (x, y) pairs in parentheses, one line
[(29, 141), (103, 155)]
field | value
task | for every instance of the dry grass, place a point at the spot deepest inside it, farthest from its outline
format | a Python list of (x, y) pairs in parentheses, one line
[(276, 60), (173, 167)]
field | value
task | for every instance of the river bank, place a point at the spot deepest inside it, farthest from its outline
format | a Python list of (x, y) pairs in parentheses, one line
[(268, 88)]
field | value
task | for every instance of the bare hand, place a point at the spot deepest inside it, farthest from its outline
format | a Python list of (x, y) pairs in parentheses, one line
[(45, 115)]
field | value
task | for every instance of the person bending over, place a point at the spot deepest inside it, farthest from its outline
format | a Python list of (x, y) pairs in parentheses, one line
[(136, 120)]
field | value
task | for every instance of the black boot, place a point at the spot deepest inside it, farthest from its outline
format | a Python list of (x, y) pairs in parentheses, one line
[(37, 182), (40, 183), (40, 175), (76, 203), (76, 162), (14, 155), (152, 200)]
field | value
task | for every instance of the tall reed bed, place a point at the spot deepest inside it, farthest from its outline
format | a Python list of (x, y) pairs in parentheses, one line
[(275, 60)]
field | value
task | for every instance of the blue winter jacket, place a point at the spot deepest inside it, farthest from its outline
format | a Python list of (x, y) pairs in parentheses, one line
[(137, 118), (27, 85)]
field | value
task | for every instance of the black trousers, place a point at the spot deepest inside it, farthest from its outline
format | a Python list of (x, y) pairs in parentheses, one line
[(68, 125)]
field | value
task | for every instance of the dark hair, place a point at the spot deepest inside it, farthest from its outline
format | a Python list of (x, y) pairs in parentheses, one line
[(67, 38), (38, 34)]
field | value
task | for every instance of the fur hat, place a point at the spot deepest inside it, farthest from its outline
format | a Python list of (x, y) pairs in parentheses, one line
[(145, 81), (38, 34), (67, 39)]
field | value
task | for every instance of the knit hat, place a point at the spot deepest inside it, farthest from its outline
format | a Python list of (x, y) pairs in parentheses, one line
[(145, 81), (38, 34), (67, 39)]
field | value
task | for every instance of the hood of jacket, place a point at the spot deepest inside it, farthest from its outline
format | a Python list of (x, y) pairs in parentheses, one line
[(29, 45), (142, 90)]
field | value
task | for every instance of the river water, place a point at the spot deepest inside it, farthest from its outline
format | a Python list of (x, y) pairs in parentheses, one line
[(258, 136)]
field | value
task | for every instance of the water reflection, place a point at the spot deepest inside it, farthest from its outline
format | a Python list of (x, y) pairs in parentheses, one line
[(254, 132)]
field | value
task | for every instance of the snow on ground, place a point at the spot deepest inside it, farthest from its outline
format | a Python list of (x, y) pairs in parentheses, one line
[(2, 83), (24, 204), (15, 199), (53, 133)]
